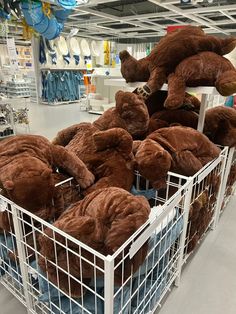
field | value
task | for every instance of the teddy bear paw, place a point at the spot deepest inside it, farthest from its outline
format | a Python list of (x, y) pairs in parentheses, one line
[(173, 103), (227, 89), (87, 180)]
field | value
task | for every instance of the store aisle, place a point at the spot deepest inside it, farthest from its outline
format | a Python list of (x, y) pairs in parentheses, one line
[(208, 283), (47, 120)]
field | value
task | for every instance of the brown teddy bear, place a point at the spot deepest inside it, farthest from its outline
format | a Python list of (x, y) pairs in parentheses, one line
[(156, 102), (130, 113), (107, 154), (220, 125), (166, 118), (27, 163), (103, 221), (205, 68), (173, 48), (179, 149)]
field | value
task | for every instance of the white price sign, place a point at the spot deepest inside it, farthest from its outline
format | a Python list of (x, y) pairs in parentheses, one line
[(11, 47)]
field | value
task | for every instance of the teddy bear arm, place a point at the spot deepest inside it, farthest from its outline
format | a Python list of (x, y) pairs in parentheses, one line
[(73, 165), (65, 136), (176, 92), (186, 163)]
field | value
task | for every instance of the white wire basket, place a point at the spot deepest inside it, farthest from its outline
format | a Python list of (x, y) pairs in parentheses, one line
[(115, 284), (206, 201)]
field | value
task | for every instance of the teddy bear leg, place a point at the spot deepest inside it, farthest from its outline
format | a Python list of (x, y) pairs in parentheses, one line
[(226, 83), (155, 82), (73, 165), (176, 92)]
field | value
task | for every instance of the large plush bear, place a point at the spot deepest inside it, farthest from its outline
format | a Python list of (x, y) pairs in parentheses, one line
[(205, 68), (179, 149), (168, 53), (27, 163), (107, 154), (130, 113), (103, 220), (220, 125)]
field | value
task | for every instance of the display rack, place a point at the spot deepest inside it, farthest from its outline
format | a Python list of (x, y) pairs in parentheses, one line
[(205, 91)]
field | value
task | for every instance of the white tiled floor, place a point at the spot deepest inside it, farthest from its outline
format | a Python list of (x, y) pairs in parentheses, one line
[(209, 281)]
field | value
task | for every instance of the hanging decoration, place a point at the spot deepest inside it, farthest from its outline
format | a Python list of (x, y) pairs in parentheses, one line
[(46, 7)]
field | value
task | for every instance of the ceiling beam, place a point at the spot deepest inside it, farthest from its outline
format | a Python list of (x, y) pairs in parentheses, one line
[(192, 17)]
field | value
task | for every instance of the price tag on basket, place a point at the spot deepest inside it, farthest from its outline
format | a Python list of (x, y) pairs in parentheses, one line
[(3, 205)]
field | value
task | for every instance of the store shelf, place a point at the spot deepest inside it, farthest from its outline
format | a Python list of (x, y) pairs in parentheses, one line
[(65, 69), (209, 90), (56, 103)]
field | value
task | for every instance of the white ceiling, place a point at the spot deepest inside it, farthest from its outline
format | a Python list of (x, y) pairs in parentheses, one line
[(146, 20)]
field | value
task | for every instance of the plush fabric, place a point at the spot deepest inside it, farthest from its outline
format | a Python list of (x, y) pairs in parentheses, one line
[(26, 166), (130, 113), (107, 154), (155, 102), (200, 216), (220, 125), (179, 149), (103, 220), (173, 48), (202, 69), (166, 118)]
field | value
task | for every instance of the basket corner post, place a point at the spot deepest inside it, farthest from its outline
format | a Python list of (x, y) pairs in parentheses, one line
[(109, 284)]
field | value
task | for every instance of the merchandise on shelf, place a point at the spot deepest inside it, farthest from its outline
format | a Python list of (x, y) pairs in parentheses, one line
[(6, 121), (61, 86)]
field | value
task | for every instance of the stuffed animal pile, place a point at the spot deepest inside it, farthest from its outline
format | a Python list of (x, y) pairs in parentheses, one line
[(148, 130)]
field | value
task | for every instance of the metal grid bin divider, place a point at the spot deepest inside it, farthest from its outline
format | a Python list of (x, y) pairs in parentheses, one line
[(140, 289), (228, 187), (52, 278), (206, 201)]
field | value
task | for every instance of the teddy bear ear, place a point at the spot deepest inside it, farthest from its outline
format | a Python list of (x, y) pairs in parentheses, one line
[(8, 185)]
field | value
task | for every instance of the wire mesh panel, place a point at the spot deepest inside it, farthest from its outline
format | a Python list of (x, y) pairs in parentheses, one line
[(10, 274), (58, 274), (229, 178), (205, 201), (158, 244)]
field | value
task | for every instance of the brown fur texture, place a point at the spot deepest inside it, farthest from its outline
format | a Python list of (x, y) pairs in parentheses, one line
[(155, 102), (130, 113), (200, 216), (202, 69), (103, 220), (107, 154), (179, 149), (26, 166), (173, 48), (166, 118), (220, 125)]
